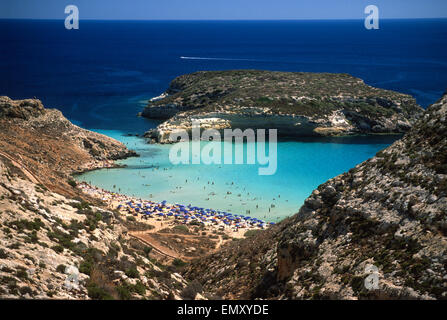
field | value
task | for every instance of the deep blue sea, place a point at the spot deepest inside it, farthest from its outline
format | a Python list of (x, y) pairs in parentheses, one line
[(101, 76)]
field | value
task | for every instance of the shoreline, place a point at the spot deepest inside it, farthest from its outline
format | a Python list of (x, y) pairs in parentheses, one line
[(164, 214)]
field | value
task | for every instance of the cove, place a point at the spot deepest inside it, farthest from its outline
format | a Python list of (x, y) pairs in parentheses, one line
[(302, 166)]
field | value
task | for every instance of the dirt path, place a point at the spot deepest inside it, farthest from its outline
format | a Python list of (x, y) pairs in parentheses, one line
[(219, 244), (145, 237), (155, 245), (22, 168)]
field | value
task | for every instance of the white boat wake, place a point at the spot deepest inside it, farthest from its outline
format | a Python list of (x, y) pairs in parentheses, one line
[(220, 59)]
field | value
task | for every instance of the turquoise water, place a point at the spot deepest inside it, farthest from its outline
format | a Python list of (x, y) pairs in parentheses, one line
[(301, 167)]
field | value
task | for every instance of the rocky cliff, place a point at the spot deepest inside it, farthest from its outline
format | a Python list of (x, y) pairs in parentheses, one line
[(384, 221), (297, 104), (51, 147), (55, 241)]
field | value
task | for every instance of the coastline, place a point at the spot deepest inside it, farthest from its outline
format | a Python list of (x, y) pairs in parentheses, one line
[(169, 215)]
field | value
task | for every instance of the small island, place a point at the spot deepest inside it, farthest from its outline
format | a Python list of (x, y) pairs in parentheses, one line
[(298, 104)]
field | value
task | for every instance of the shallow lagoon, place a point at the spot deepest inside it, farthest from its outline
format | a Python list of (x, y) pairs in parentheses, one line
[(301, 167)]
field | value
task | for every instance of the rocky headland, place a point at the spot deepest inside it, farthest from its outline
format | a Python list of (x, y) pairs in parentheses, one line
[(49, 146), (56, 242), (296, 103)]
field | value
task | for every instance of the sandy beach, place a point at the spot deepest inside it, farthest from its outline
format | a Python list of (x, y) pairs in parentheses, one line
[(162, 215)]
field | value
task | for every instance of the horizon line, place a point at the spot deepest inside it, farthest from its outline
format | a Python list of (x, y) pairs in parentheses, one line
[(192, 20)]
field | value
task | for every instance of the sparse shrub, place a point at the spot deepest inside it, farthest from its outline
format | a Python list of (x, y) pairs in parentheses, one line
[(22, 274), (27, 256), (7, 269), (24, 224), (15, 245), (97, 293), (86, 267), (178, 263), (147, 250), (60, 268), (132, 272), (32, 237), (123, 292), (181, 228), (82, 206), (139, 288), (26, 290), (58, 248), (72, 183), (99, 287), (251, 233)]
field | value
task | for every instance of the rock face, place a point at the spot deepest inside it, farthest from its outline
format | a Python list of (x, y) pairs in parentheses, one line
[(50, 146), (384, 221), (297, 104)]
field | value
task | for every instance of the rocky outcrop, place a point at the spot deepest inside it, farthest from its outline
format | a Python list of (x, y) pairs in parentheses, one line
[(21, 109), (378, 231), (297, 104)]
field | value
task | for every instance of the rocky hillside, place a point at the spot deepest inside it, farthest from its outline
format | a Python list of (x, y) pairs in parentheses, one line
[(297, 104), (55, 241), (385, 218), (49, 147), (46, 238)]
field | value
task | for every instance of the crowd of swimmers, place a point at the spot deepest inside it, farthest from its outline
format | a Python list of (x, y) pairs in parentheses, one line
[(183, 214)]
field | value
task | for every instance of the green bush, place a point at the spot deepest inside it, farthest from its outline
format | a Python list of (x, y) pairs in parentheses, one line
[(72, 183), (24, 224), (139, 288), (63, 239), (60, 268), (22, 274), (147, 250), (86, 267), (32, 237), (97, 293), (123, 292), (58, 248), (132, 273), (178, 263)]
